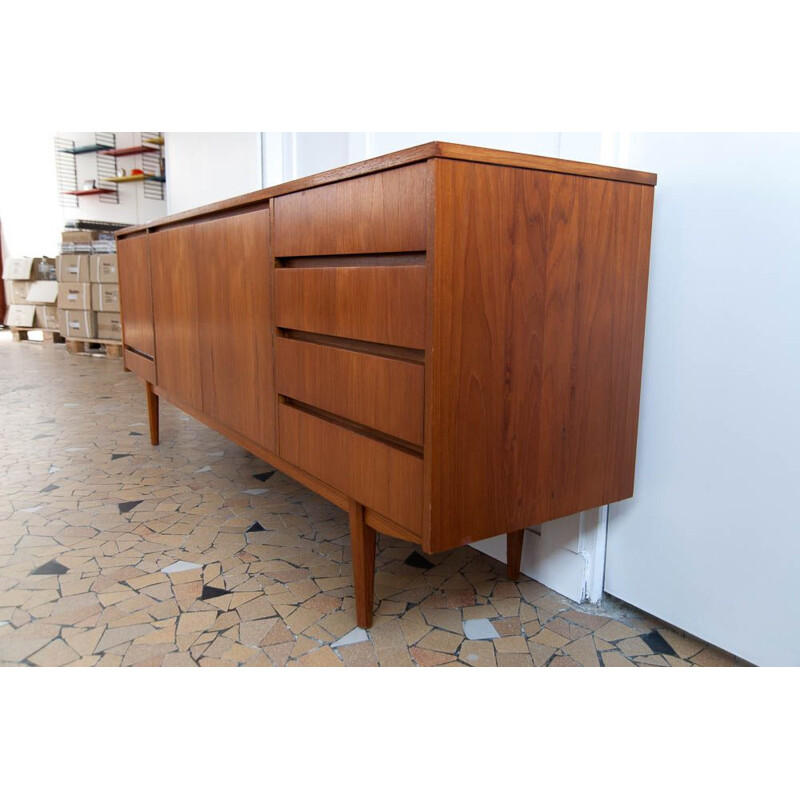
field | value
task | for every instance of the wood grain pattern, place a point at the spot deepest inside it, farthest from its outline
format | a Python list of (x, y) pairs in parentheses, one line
[(175, 314), (640, 272), (362, 546), (235, 323), (136, 362), (136, 296), (375, 520), (380, 213), (594, 337), (381, 393), (503, 158), (376, 304), (374, 474), (399, 158), (383, 524), (536, 344)]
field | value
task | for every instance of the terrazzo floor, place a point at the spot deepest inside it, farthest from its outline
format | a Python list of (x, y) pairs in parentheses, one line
[(195, 553)]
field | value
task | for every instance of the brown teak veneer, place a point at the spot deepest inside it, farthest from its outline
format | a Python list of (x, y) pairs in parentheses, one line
[(362, 545), (514, 542), (446, 342), (152, 413), (235, 323)]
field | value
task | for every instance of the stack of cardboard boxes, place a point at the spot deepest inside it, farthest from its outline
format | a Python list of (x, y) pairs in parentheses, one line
[(88, 293), (31, 292)]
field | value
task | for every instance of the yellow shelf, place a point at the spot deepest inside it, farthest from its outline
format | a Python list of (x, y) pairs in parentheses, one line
[(154, 140), (128, 178)]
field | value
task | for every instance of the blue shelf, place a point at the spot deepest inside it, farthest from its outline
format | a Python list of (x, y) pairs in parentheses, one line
[(87, 148)]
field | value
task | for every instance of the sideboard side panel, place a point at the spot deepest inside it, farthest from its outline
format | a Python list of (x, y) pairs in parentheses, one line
[(538, 320)]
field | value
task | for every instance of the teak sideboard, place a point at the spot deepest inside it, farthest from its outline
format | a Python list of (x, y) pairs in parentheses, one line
[(445, 341)]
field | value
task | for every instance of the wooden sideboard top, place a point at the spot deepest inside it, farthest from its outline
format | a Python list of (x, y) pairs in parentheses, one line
[(399, 158)]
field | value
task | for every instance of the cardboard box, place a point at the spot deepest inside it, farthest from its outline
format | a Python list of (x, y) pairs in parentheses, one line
[(42, 292), (77, 324), (46, 318), (26, 268), (109, 325), (84, 237), (75, 296), (44, 269), (17, 292), (17, 269), (73, 268), (103, 268), (105, 297), (20, 316)]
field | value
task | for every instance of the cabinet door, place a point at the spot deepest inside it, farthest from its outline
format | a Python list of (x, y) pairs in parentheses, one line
[(236, 324), (175, 314), (136, 294)]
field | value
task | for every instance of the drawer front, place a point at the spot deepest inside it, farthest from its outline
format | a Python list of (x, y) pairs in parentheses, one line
[(375, 304), (380, 213), (380, 477), (381, 393)]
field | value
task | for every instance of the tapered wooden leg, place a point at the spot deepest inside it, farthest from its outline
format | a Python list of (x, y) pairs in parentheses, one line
[(362, 543), (514, 541), (152, 413)]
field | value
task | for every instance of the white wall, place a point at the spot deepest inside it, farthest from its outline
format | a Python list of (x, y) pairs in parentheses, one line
[(711, 540), (29, 209), (295, 155), (205, 167)]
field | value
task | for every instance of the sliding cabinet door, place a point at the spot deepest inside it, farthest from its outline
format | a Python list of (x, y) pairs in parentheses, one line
[(135, 291), (236, 324), (175, 312)]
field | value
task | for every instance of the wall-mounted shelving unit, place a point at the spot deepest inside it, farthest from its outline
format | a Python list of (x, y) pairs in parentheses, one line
[(67, 170), (153, 164), (107, 182), (106, 167)]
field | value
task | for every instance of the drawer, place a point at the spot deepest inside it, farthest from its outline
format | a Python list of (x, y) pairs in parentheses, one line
[(383, 304), (383, 478), (380, 213), (381, 393)]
